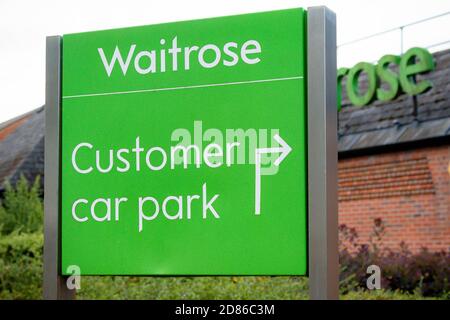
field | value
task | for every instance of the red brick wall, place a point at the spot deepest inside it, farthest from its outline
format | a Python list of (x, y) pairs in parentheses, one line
[(408, 190)]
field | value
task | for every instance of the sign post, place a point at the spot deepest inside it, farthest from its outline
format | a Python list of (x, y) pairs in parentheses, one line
[(54, 284), (191, 148), (322, 155)]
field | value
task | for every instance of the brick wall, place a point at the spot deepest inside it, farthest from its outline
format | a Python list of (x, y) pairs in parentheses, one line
[(408, 190)]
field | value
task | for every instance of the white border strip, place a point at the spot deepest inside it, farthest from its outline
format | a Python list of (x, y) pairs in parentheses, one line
[(181, 88)]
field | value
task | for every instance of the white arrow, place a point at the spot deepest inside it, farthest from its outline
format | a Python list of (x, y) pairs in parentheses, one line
[(284, 149)]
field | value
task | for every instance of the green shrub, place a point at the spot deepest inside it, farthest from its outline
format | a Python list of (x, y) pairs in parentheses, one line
[(21, 266), (22, 208)]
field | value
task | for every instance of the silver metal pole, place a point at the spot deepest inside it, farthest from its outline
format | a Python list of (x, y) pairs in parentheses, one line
[(322, 155), (54, 284)]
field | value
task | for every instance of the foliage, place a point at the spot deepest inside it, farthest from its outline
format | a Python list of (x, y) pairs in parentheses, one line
[(361, 294), (425, 272), (405, 275), (21, 209), (21, 266), (21, 278)]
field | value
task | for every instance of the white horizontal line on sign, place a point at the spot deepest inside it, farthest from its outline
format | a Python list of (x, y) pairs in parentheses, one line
[(182, 88)]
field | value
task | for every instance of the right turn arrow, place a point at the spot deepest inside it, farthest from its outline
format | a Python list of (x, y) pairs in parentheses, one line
[(284, 149)]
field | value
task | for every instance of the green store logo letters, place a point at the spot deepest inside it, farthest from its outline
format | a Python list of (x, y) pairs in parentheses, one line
[(415, 61)]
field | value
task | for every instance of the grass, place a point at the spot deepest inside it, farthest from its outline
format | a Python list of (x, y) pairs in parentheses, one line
[(200, 288)]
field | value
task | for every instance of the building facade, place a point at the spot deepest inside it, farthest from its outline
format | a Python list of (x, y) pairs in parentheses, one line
[(394, 164)]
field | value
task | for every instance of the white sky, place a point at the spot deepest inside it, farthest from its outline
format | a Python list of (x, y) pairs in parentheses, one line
[(25, 24)]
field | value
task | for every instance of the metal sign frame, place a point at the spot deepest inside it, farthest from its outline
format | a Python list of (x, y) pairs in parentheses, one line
[(322, 161), (322, 155), (54, 284)]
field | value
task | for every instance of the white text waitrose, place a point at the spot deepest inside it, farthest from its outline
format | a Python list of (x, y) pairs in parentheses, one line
[(172, 58)]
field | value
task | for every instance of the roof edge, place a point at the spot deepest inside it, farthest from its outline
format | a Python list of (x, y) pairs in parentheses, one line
[(395, 147), (9, 122)]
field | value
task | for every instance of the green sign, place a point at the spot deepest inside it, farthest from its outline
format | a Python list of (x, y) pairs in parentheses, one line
[(184, 148), (383, 83)]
